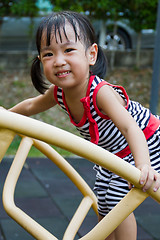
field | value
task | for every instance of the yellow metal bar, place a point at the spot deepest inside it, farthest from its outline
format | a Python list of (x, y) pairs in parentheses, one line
[(112, 220), (78, 218), (73, 144), (31, 226), (6, 137), (74, 176), (83, 148)]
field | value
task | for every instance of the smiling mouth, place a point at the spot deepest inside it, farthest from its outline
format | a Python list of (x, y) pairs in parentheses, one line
[(62, 74)]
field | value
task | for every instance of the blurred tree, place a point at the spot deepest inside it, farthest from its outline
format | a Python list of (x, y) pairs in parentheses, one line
[(5, 10), (141, 15), (27, 8), (20, 8), (73, 5), (5, 7), (24, 8)]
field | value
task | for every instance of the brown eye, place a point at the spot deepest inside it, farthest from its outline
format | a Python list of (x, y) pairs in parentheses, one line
[(69, 50), (48, 55)]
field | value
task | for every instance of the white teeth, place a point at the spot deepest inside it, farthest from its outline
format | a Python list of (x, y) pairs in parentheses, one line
[(63, 73)]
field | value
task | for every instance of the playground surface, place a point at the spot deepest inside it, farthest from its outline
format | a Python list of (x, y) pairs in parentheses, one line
[(49, 197)]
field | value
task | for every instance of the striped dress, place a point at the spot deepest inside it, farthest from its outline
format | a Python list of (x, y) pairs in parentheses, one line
[(99, 129)]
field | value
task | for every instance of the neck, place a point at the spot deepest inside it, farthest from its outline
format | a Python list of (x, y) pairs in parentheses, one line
[(77, 92), (72, 98)]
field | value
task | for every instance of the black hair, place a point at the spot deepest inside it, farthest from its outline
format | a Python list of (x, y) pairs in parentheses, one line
[(84, 32)]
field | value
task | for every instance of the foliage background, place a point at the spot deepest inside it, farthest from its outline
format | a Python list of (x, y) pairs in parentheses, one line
[(141, 14), (17, 86)]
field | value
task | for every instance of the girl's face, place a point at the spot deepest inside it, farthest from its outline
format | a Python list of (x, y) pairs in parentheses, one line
[(66, 62)]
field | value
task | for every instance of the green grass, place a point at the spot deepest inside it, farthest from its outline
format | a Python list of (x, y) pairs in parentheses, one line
[(17, 86), (33, 151)]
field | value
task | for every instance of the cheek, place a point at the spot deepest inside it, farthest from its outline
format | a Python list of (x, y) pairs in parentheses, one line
[(46, 69)]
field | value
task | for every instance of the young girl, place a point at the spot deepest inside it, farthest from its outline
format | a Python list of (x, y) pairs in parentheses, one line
[(74, 64)]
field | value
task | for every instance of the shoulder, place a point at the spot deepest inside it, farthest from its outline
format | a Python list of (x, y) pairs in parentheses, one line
[(108, 99), (105, 92), (101, 87), (96, 84), (48, 96)]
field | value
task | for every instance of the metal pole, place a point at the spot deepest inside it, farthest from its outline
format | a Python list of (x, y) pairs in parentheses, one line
[(156, 67)]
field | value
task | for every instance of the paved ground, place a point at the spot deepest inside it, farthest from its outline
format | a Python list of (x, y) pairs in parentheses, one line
[(48, 196)]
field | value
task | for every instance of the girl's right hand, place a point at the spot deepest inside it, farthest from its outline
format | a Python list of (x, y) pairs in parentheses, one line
[(148, 176)]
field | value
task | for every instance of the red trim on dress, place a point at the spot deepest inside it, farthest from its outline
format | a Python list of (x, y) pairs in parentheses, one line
[(150, 129), (89, 84), (55, 94), (93, 127), (101, 84), (83, 120)]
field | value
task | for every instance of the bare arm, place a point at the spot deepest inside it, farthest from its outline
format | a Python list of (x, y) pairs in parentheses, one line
[(35, 105), (113, 107)]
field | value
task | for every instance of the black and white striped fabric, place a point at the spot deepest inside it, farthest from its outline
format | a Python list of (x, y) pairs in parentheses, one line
[(110, 187)]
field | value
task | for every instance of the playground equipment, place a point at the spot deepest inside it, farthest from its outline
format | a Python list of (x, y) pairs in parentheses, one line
[(40, 135)]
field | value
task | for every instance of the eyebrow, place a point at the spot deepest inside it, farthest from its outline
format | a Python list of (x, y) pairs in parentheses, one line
[(62, 45)]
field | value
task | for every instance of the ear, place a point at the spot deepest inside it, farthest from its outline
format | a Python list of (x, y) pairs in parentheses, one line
[(39, 57), (93, 51)]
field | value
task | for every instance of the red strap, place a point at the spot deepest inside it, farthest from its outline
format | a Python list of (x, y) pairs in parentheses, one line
[(55, 93), (152, 126), (101, 84), (93, 127)]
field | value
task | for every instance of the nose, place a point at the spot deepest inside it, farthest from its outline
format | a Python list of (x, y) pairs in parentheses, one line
[(59, 60)]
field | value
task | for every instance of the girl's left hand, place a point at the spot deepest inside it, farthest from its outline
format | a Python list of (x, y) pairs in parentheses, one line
[(148, 176)]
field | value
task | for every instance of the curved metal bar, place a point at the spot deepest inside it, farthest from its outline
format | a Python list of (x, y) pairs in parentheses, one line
[(23, 219), (78, 218), (13, 211), (6, 137), (58, 137), (52, 135), (72, 174), (112, 220)]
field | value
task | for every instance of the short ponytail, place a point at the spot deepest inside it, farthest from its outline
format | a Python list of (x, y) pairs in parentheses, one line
[(100, 67), (37, 76)]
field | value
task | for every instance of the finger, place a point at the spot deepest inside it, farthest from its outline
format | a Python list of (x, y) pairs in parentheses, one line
[(144, 175), (130, 185), (147, 177), (149, 181), (157, 182)]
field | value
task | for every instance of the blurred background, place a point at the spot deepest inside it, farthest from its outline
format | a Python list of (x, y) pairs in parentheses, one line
[(128, 33), (126, 30), (119, 25)]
